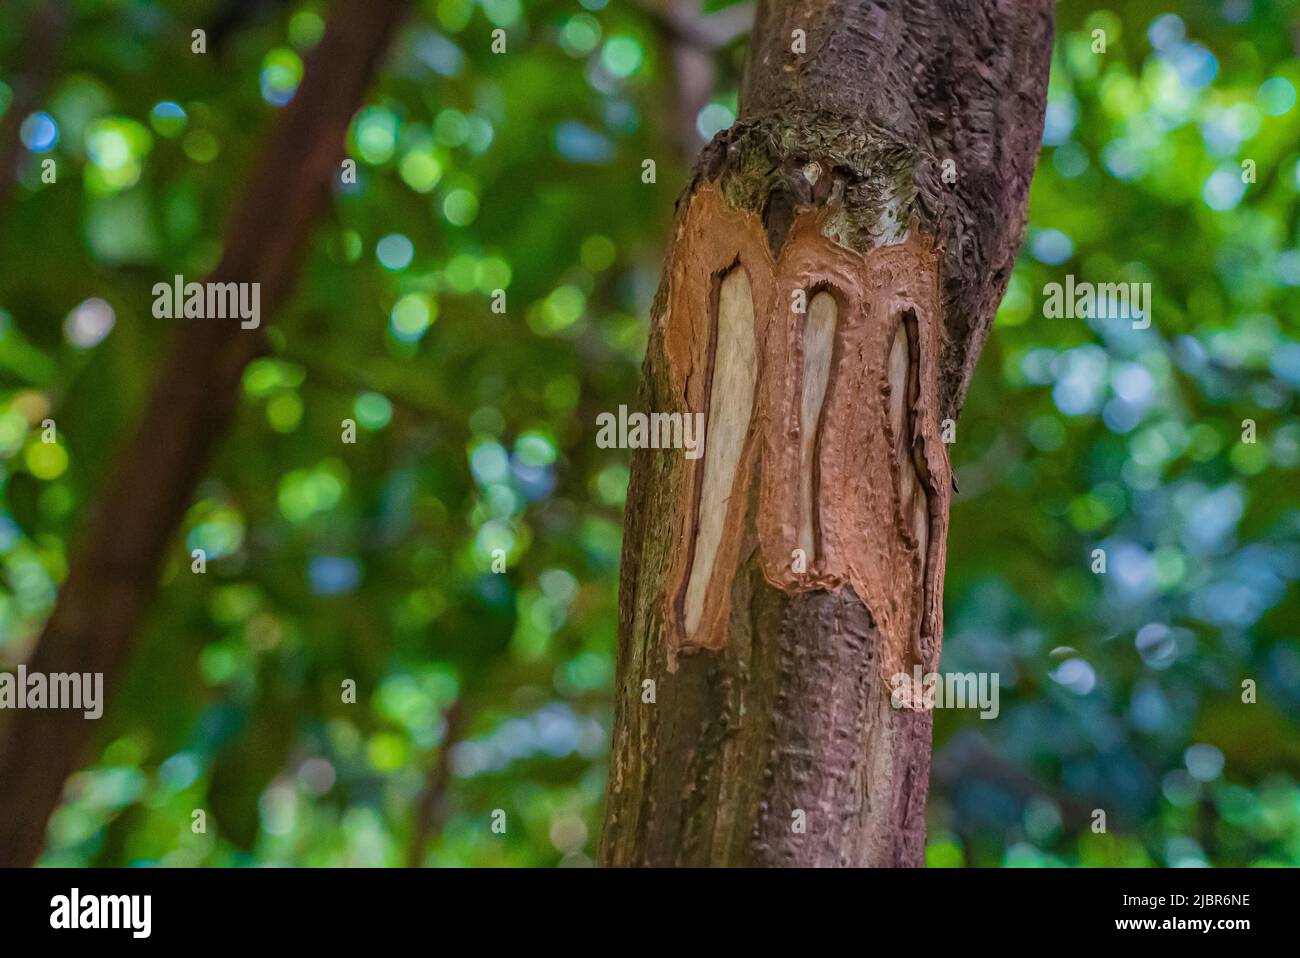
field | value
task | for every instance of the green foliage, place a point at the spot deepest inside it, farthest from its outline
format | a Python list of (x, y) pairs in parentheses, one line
[(372, 562)]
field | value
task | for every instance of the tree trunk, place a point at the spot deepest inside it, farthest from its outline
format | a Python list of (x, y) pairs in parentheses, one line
[(835, 266), (116, 567)]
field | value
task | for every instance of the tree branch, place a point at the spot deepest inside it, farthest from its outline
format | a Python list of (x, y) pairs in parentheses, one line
[(115, 570), (431, 804), (42, 42)]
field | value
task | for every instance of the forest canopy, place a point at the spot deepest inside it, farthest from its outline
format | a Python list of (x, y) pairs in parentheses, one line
[(401, 649)]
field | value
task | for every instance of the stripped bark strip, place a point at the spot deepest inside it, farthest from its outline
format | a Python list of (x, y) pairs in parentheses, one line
[(873, 192), (116, 566)]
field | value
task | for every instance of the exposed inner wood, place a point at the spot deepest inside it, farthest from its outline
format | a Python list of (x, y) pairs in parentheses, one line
[(818, 347), (900, 368), (731, 406), (913, 500), (915, 450), (840, 433)]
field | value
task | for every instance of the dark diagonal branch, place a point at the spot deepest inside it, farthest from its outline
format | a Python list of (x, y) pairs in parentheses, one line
[(431, 804), (115, 569), (42, 41)]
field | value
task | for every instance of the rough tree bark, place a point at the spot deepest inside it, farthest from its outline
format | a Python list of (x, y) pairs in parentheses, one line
[(835, 266), (115, 568)]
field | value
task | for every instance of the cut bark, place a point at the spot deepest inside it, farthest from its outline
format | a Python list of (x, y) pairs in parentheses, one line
[(115, 568), (872, 194)]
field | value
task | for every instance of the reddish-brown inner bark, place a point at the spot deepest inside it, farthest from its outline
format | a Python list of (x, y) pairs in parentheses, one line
[(761, 731)]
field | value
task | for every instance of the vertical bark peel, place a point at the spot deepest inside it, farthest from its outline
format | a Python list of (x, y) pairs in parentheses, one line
[(818, 351), (733, 369), (821, 431)]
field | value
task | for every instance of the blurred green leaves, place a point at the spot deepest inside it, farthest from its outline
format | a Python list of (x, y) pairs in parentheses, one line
[(373, 562)]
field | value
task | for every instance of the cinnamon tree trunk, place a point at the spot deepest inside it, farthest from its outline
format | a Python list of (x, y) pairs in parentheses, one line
[(835, 266)]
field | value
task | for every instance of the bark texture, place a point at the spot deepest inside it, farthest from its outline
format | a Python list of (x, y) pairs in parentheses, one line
[(872, 195), (116, 566)]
